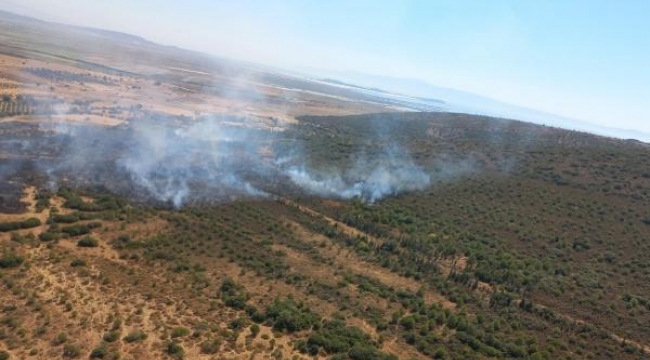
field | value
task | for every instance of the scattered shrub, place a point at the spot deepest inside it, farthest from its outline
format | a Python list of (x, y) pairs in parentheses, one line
[(78, 262), (210, 346), (99, 352), (17, 225), (65, 219), (255, 330), (111, 336), (10, 259), (334, 337), (88, 242), (134, 336), (71, 351), (76, 230), (233, 295), (175, 350), (60, 339), (48, 236), (16, 237), (289, 315), (179, 332)]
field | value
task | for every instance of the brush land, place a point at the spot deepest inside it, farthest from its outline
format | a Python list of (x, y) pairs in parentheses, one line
[(529, 242)]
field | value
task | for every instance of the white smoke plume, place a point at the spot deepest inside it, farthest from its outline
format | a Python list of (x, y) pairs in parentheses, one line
[(391, 173), (167, 162), (177, 160)]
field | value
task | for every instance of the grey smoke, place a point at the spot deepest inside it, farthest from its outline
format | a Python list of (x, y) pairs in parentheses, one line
[(148, 165), (391, 173), (178, 160), (166, 162), (222, 158), (171, 163)]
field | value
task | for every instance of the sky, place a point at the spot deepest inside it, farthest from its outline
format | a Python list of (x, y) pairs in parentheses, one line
[(584, 59)]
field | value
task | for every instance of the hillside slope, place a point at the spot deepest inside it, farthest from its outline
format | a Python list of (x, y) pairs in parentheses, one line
[(529, 242)]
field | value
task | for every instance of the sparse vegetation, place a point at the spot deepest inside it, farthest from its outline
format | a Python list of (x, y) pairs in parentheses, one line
[(75, 230), (233, 295), (180, 331), (71, 351), (88, 242), (134, 336), (175, 350), (78, 263), (99, 352), (18, 225), (538, 252), (211, 346), (335, 338), (112, 336), (291, 316), (10, 259)]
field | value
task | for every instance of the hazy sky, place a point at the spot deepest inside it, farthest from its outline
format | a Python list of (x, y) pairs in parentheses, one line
[(584, 59)]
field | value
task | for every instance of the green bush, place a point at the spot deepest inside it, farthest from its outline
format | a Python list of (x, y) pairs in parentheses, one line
[(88, 242), (76, 230), (368, 352), (10, 260), (99, 352), (179, 332), (175, 350), (78, 262), (60, 339), (289, 315), (30, 223), (111, 336), (94, 224), (134, 336), (335, 337), (9, 226), (71, 351), (74, 201), (42, 201), (65, 219), (237, 324), (17, 225), (16, 237), (48, 236), (255, 330), (233, 295), (125, 242), (210, 346)]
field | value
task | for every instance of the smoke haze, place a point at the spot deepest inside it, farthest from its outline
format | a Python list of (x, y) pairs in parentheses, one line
[(215, 158), (390, 173)]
